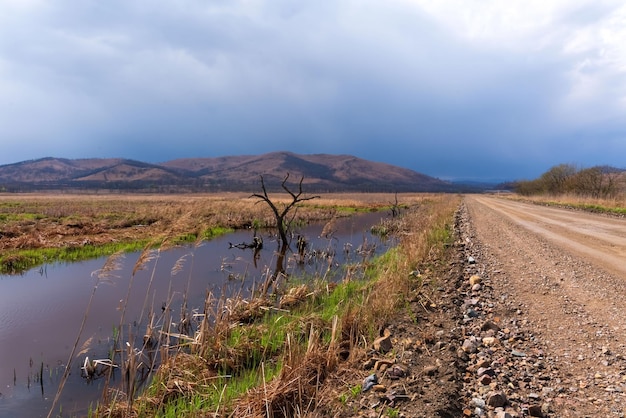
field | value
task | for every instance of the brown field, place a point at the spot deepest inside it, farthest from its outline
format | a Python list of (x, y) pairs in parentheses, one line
[(312, 335), (30, 221), (47, 220)]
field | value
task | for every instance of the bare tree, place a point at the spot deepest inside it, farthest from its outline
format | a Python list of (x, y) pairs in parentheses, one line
[(395, 207), (556, 178), (281, 211)]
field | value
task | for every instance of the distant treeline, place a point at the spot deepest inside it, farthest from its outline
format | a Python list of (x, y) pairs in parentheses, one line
[(598, 182)]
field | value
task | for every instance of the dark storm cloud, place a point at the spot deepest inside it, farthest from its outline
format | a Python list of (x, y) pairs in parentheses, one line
[(452, 89)]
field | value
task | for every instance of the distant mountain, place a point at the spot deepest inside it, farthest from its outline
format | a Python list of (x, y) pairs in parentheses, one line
[(321, 172)]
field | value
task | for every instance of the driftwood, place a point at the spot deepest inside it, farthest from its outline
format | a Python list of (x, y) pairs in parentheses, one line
[(257, 244)]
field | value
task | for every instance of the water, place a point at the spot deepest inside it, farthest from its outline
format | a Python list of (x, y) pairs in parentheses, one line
[(41, 311)]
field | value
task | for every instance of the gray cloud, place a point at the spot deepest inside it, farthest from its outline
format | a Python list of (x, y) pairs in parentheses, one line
[(450, 89)]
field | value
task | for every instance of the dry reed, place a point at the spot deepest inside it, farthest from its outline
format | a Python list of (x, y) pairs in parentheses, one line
[(191, 361)]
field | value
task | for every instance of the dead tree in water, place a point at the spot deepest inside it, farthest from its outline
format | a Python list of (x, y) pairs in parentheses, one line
[(395, 208), (280, 212)]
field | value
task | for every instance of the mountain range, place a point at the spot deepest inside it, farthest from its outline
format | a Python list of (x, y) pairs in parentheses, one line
[(320, 172)]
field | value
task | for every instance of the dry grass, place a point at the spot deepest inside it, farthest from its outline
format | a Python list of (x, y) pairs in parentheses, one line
[(422, 234), (614, 204), (286, 346), (37, 228), (42, 220), (329, 346)]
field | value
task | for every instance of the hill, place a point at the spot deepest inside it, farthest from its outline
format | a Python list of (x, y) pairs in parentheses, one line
[(321, 172)]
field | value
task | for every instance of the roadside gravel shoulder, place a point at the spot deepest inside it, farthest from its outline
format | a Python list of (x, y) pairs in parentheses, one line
[(509, 325), (543, 329)]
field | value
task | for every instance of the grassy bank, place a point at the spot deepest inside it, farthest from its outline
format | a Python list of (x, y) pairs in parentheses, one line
[(612, 206), (270, 356)]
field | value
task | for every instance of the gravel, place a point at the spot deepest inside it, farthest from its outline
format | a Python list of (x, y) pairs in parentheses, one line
[(529, 329)]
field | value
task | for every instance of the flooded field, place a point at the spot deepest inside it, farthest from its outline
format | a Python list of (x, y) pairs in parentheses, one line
[(41, 310)]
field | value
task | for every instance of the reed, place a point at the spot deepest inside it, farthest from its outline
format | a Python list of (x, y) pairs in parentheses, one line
[(269, 354), (106, 273)]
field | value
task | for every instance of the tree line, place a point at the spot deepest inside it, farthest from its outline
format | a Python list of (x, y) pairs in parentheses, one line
[(597, 182)]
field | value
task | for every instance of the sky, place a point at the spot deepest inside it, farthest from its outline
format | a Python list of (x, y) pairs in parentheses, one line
[(456, 89)]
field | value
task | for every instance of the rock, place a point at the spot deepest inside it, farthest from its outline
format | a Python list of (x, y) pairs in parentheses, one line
[(516, 353), (485, 370), (483, 363), (478, 403), (379, 388), (471, 260), (383, 344), (475, 279), (472, 313), (485, 380), (476, 287), (369, 382), (468, 346), (503, 414), (490, 326), (496, 399), (397, 371), (490, 341), (535, 411), (430, 370)]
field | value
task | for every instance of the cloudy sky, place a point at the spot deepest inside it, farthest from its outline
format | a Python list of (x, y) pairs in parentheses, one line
[(471, 89)]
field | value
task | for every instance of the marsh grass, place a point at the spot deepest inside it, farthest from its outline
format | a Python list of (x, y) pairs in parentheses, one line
[(615, 205), (37, 228), (16, 261), (268, 355)]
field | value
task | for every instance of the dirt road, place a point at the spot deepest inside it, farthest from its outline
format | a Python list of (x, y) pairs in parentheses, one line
[(554, 281)]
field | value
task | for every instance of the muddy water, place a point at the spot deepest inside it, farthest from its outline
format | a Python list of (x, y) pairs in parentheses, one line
[(41, 311)]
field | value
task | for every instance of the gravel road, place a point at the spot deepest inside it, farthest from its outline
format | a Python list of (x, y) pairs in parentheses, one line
[(545, 323)]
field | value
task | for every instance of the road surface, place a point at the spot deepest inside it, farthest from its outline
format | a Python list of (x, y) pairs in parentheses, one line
[(562, 275)]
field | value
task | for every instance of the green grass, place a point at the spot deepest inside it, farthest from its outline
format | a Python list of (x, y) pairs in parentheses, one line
[(599, 208), (393, 412), (340, 299), (348, 210), (352, 393), (20, 217), (184, 407), (214, 394), (239, 357), (207, 234), (17, 261), (261, 345), (440, 235)]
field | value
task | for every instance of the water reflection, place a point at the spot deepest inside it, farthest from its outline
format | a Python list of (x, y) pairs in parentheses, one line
[(41, 311)]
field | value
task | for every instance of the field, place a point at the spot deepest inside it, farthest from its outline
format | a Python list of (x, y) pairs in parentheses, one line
[(38, 228), (286, 343), (308, 347)]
